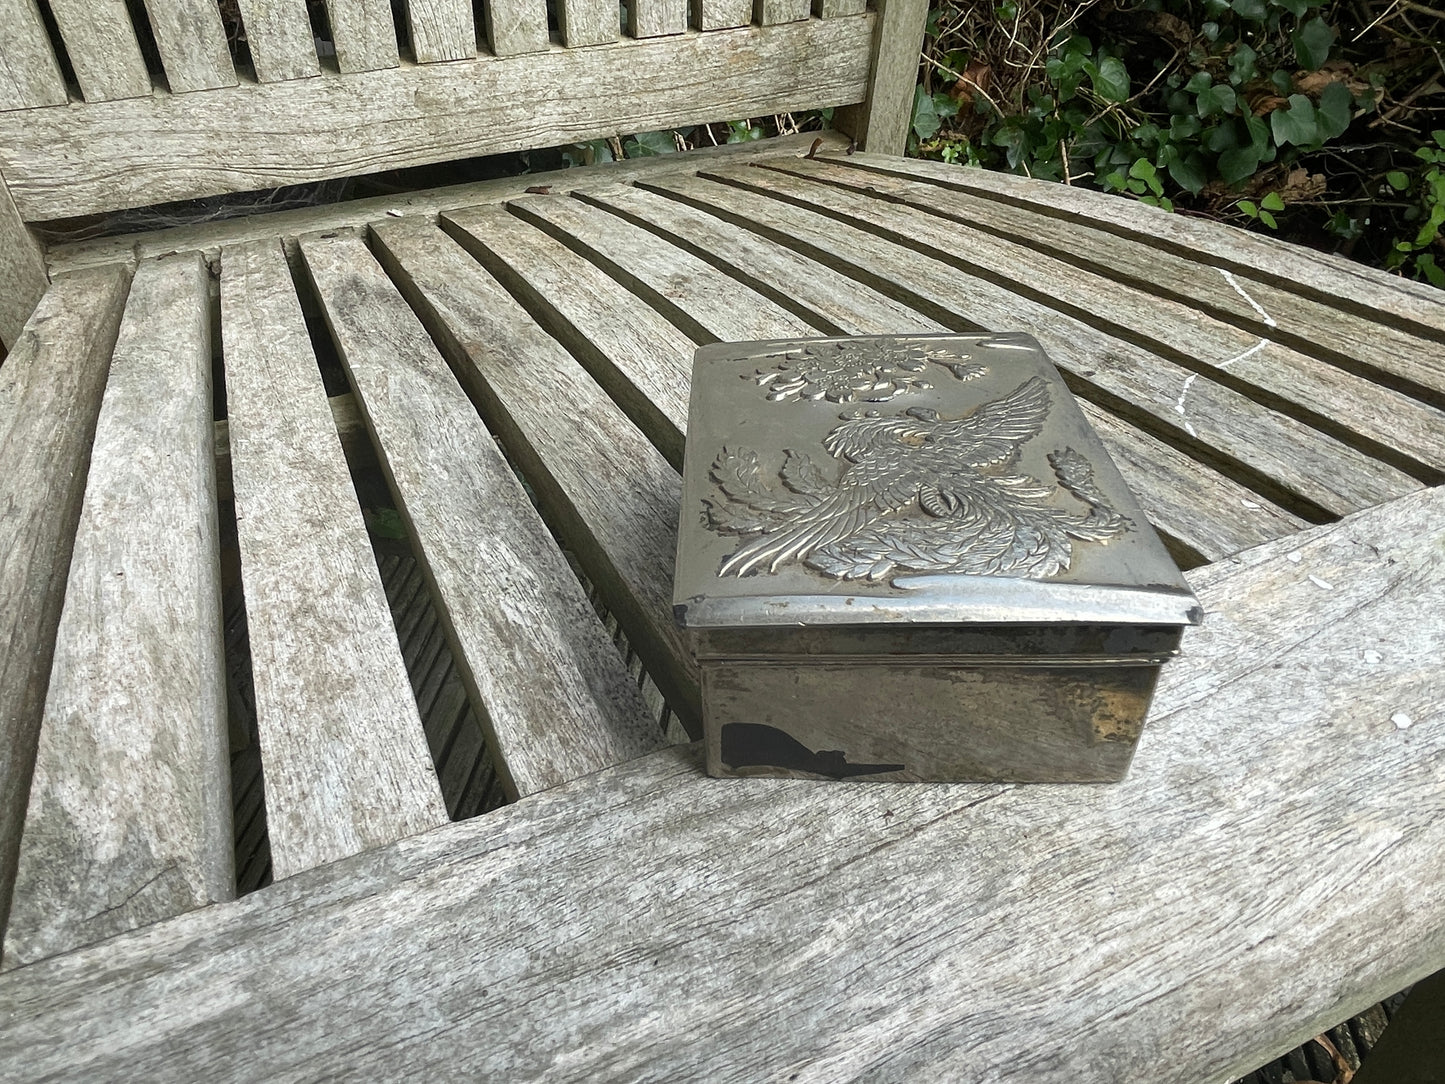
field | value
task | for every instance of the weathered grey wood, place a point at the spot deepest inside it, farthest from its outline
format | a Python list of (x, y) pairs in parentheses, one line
[(1327, 278), (606, 491), (871, 931), (350, 428), (441, 30), (769, 12), (103, 51), (653, 18), (587, 22), (721, 14), (703, 301), (247, 137), (210, 237), (834, 9), (345, 759), (559, 703), (1343, 336), (813, 290), (192, 43), (516, 26), (1262, 446), (29, 74), (129, 817), (1386, 422), (364, 34), (881, 122), (22, 270), (278, 33), (50, 391), (643, 362)]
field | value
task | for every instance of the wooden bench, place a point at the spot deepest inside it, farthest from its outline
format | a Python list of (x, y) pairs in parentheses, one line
[(216, 665)]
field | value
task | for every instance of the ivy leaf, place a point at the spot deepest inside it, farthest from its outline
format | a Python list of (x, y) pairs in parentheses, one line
[(1219, 98), (1198, 82), (1241, 64), (1239, 164), (1188, 172), (1312, 43), (1297, 124), (650, 144), (1334, 111), (1110, 79), (1272, 201), (925, 116), (1399, 180), (1297, 8), (1253, 10)]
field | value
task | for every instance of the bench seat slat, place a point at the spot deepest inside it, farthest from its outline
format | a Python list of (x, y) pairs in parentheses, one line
[(441, 30), (129, 816), (1275, 450), (872, 930), (192, 42), (557, 698), (608, 493), (29, 74), (50, 393), (345, 760), (279, 35), (103, 51), (1393, 422)]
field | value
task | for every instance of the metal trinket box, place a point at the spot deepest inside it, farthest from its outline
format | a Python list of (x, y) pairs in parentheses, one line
[(910, 558)]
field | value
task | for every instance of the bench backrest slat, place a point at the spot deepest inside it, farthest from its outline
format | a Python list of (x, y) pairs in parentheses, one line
[(278, 34), (29, 75), (101, 44)]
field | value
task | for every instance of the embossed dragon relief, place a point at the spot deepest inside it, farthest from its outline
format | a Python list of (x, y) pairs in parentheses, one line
[(870, 370), (916, 492)]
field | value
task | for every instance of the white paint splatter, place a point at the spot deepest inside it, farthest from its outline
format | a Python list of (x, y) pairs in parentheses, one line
[(1293, 556), (1253, 304), (1323, 585), (1255, 349), (1251, 504), (393, 212), (1373, 657), (1402, 721), (1184, 394)]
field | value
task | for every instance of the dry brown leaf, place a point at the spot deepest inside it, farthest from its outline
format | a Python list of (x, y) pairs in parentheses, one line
[(1171, 28), (1300, 184), (977, 78)]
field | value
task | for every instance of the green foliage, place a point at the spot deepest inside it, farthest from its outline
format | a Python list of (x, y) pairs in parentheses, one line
[(1427, 213)]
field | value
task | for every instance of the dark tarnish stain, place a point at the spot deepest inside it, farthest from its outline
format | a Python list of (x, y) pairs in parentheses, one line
[(754, 745)]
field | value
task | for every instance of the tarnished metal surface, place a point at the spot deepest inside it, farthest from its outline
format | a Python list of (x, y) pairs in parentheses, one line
[(910, 558)]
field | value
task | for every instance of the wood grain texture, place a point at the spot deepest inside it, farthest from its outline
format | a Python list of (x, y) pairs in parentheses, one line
[(441, 30), (29, 74), (654, 18), (1389, 423), (278, 33), (516, 26), (834, 9), (868, 930), (721, 14), (706, 303), (1271, 449), (345, 415), (880, 123), (364, 34), (50, 391), (345, 759), (559, 703), (643, 362), (1326, 278), (22, 270), (770, 12), (587, 22), (168, 147), (129, 817), (192, 43), (1356, 342), (608, 493), (103, 51)]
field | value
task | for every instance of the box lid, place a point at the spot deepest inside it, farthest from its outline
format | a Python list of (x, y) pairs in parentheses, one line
[(928, 479)]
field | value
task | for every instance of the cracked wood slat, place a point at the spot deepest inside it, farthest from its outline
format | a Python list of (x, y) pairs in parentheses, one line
[(1211, 515), (23, 278), (50, 391), (1385, 422), (181, 146), (342, 747), (700, 299), (1171, 924), (1283, 458), (721, 14), (1339, 335), (608, 493), (192, 43), (558, 701), (654, 18), (1331, 280), (643, 362), (103, 51), (29, 74), (441, 30), (364, 35), (587, 22), (279, 35), (129, 817), (516, 26)]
